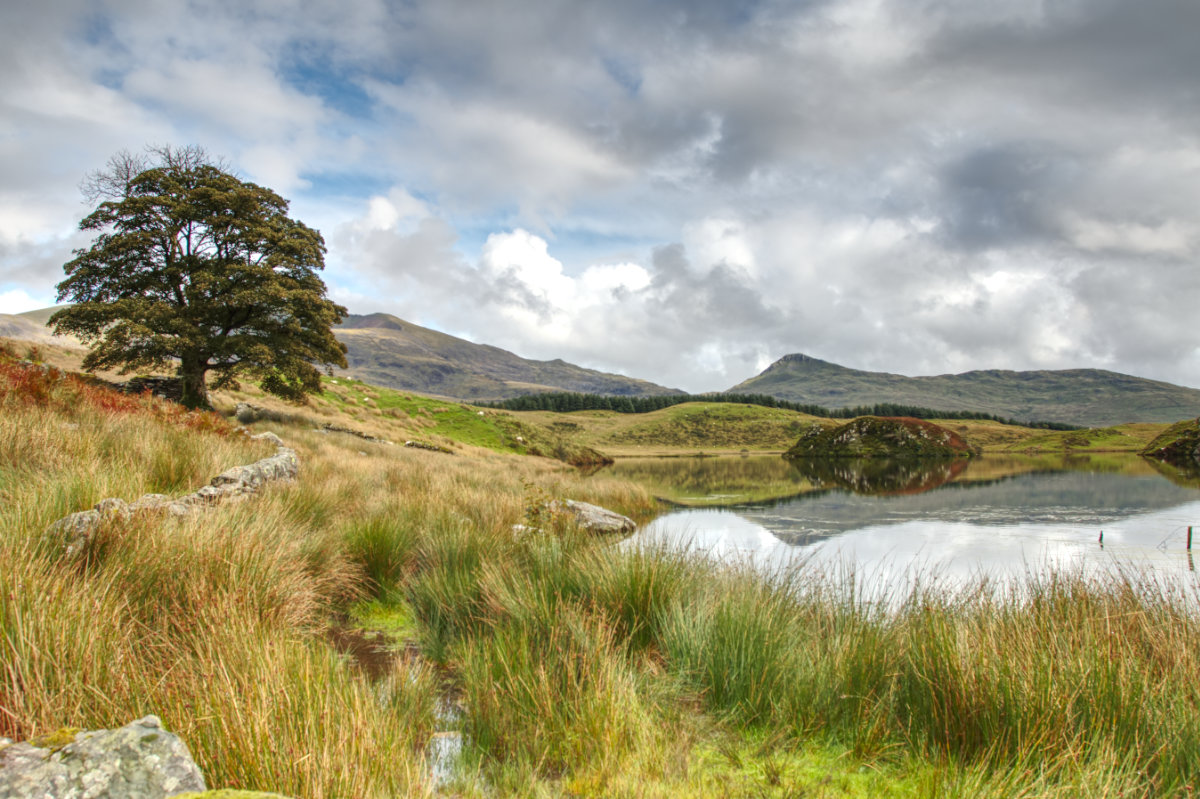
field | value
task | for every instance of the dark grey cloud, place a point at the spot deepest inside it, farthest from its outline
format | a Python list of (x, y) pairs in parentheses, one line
[(1006, 195), (687, 190)]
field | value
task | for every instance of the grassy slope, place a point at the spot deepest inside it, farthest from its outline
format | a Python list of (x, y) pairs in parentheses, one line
[(681, 429), (391, 352), (1077, 396), (584, 670), (716, 428), (685, 429)]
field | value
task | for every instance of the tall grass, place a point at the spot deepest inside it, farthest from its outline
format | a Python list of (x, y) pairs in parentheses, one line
[(583, 668)]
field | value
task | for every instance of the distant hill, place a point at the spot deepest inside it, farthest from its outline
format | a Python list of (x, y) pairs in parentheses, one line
[(1090, 397), (31, 326), (387, 351), (391, 352)]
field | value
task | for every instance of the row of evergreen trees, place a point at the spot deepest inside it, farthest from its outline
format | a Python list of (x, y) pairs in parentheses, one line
[(567, 401)]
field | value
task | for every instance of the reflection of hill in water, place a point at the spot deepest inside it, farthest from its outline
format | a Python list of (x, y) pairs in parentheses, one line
[(1187, 474), (1086, 499), (880, 476), (712, 481)]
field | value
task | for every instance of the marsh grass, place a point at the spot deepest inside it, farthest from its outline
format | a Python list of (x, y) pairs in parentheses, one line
[(583, 668)]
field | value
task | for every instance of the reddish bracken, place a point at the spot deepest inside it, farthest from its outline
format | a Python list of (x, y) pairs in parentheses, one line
[(46, 386)]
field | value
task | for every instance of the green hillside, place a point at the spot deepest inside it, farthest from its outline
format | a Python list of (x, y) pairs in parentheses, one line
[(1089, 397)]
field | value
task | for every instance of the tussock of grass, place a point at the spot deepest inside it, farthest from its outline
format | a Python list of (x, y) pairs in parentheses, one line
[(582, 668)]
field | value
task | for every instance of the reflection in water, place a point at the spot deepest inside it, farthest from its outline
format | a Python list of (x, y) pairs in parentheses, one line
[(999, 526), (713, 481), (880, 475)]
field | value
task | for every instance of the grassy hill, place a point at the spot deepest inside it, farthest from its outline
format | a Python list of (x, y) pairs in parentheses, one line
[(684, 429), (1088, 397), (29, 326), (388, 351)]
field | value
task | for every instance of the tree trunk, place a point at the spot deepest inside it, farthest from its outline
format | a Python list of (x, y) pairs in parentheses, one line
[(192, 369)]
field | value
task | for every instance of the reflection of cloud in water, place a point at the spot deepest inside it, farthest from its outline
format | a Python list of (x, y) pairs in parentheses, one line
[(721, 533), (1071, 498), (1026, 523)]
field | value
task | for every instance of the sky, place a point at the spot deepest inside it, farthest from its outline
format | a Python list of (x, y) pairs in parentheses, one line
[(678, 191)]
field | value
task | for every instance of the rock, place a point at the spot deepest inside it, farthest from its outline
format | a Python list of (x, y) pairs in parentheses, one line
[(170, 388), (76, 524), (333, 428), (246, 413), (138, 761), (150, 502), (269, 436), (898, 437), (232, 484), (594, 518), (428, 446), (113, 506), (283, 465)]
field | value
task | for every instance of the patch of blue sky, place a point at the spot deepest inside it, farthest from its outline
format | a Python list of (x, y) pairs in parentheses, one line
[(316, 75), (624, 73), (347, 184), (96, 32), (96, 29)]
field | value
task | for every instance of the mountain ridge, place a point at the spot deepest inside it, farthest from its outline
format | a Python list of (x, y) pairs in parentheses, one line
[(1090, 397), (391, 352)]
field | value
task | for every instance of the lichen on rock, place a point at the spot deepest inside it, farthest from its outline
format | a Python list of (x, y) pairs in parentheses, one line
[(138, 761), (77, 529), (594, 518)]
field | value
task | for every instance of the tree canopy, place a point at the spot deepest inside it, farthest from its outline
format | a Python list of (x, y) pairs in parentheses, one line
[(195, 268)]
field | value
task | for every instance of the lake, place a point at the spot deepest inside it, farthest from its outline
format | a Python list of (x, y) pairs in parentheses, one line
[(946, 521)]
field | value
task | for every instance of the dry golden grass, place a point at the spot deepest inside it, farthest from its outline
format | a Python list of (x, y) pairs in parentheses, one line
[(586, 670)]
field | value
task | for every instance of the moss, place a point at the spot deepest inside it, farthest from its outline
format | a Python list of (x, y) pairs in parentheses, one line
[(56, 740), (393, 618)]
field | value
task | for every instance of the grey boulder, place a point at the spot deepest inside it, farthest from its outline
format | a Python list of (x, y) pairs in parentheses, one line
[(594, 518), (138, 761)]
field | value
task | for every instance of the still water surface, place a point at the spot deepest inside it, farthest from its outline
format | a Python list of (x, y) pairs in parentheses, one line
[(887, 523)]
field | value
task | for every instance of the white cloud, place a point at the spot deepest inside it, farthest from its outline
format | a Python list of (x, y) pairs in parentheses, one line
[(19, 301), (672, 190)]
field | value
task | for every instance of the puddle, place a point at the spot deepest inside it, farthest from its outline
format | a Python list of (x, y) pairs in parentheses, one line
[(445, 746), (441, 756), (372, 652), (366, 649)]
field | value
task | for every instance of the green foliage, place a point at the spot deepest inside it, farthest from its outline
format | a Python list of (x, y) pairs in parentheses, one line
[(567, 402), (191, 265)]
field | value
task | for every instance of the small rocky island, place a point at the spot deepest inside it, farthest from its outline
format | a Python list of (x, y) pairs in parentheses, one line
[(1178, 445), (894, 437)]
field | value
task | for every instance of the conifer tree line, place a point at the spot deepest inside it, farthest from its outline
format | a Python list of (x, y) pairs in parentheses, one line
[(567, 401)]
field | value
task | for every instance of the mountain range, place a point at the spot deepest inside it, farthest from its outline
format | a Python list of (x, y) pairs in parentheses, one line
[(388, 351), (1089, 397)]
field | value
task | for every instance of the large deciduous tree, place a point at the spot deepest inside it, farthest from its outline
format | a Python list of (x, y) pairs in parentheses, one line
[(193, 267)]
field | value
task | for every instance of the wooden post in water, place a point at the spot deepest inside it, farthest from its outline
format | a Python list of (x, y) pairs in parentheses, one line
[(1189, 538), (1101, 538)]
